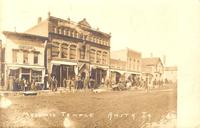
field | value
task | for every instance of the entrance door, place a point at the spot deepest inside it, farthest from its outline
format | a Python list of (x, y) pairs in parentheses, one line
[(98, 74), (118, 76), (56, 73)]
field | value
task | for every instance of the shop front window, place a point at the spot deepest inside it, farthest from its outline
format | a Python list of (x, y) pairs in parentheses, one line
[(14, 72), (37, 76)]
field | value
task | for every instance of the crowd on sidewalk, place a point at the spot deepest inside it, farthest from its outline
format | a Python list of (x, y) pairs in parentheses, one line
[(78, 83)]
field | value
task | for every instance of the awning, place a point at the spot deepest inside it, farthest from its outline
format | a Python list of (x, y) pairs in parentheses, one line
[(119, 71), (17, 66), (131, 72), (55, 62), (99, 66)]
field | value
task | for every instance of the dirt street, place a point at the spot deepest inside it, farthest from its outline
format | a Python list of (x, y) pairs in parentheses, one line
[(125, 109)]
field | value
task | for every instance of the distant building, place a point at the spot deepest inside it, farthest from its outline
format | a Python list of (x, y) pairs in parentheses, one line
[(1, 63), (74, 49), (152, 69), (170, 74), (118, 70), (24, 58), (126, 63), (2, 57)]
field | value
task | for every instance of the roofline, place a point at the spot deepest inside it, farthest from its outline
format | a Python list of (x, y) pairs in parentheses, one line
[(153, 58), (126, 49), (75, 23), (7, 33)]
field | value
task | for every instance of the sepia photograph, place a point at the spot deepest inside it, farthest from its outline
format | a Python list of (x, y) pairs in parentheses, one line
[(99, 64)]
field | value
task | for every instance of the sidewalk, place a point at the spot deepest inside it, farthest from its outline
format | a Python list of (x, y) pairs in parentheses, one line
[(64, 90)]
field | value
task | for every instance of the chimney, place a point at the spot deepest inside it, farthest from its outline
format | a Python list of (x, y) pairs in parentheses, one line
[(49, 14), (39, 19), (151, 54), (15, 29), (164, 59), (68, 19)]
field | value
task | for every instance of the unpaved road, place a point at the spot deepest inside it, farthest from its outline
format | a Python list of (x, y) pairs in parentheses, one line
[(125, 109)]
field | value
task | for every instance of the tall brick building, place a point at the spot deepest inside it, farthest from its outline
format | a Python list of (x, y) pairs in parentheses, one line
[(125, 63), (74, 49)]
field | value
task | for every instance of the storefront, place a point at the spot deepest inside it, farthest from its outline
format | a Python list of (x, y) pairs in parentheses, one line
[(117, 76), (25, 72), (99, 74), (63, 70)]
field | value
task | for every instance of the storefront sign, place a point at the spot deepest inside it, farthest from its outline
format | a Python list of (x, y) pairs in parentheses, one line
[(23, 47)]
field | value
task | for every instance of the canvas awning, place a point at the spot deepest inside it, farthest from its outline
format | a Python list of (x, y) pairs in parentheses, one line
[(18, 66), (119, 71), (132, 72), (55, 62), (99, 66)]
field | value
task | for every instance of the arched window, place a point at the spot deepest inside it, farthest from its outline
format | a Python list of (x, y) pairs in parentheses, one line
[(73, 52), (60, 31), (55, 30), (104, 59), (55, 49), (77, 34), (92, 55), (64, 50), (98, 57)]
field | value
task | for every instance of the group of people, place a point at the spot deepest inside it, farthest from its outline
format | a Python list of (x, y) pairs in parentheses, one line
[(139, 83), (76, 83), (22, 84)]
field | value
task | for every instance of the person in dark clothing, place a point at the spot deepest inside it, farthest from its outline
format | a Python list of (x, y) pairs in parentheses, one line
[(65, 82), (91, 83), (86, 83), (70, 84), (54, 83)]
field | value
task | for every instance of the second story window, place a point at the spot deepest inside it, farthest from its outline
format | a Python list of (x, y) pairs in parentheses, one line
[(55, 30), (60, 31), (98, 60), (104, 59), (25, 57), (65, 51), (35, 58), (55, 49), (72, 52), (14, 56), (92, 55)]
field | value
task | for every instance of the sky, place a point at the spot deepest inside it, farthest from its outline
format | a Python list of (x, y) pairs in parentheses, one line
[(145, 26), (161, 27)]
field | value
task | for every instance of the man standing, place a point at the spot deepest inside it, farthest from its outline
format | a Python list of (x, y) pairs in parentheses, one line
[(65, 83), (54, 83), (86, 83)]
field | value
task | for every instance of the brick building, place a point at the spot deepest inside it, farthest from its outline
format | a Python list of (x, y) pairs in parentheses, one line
[(2, 57), (118, 70), (126, 63), (74, 49)]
